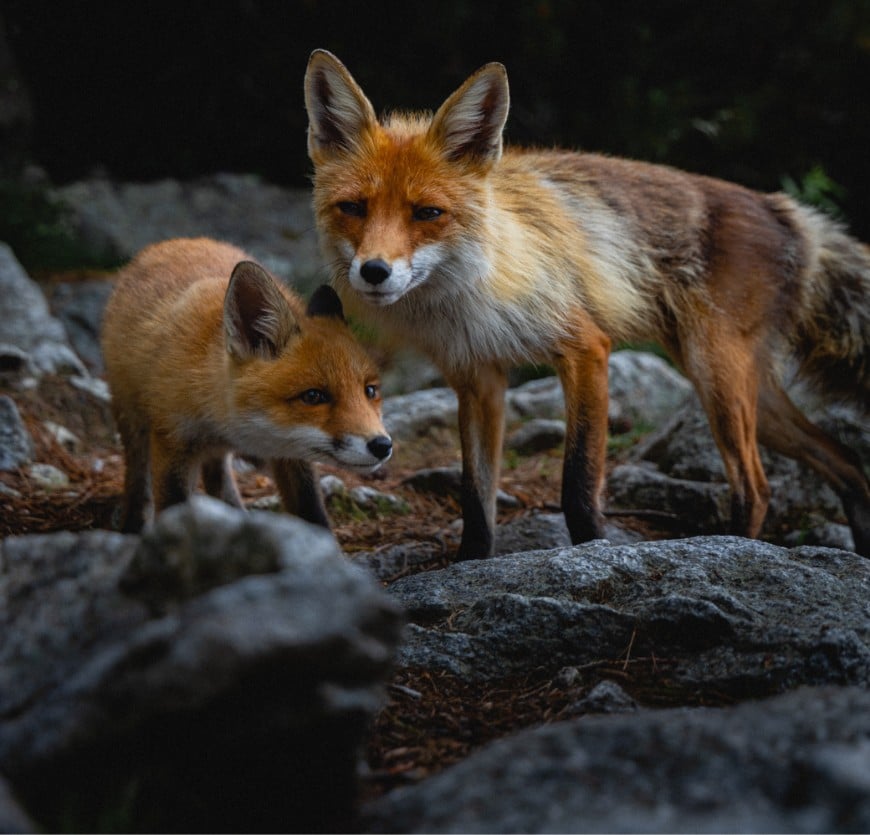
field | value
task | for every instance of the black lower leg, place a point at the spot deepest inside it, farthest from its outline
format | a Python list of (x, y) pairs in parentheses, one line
[(478, 537), (580, 495)]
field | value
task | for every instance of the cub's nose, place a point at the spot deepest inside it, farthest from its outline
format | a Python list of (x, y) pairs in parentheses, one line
[(381, 446), (375, 271)]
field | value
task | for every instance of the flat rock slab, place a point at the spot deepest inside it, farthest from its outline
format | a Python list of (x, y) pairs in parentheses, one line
[(738, 616)]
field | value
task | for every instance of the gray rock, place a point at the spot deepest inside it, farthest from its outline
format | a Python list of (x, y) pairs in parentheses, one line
[(409, 415), (643, 388), (532, 531), (697, 506), (606, 697), (738, 616), (796, 763), (447, 481), (407, 371), (219, 674), (677, 470), (48, 476), (647, 389), (394, 561), (79, 306), (440, 481), (541, 398), (371, 499), (27, 324), (16, 445), (537, 435), (16, 367), (68, 440), (275, 225)]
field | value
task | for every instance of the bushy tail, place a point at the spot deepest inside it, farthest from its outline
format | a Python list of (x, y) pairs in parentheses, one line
[(832, 339)]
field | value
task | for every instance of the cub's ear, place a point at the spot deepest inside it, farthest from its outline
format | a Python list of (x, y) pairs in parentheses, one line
[(258, 321), (325, 302), (469, 125), (338, 111)]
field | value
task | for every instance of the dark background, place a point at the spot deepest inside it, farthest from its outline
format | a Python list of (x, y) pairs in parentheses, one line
[(751, 91)]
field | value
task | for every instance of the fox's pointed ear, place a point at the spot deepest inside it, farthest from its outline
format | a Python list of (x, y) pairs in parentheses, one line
[(258, 321), (325, 302), (338, 111), (469, 125)]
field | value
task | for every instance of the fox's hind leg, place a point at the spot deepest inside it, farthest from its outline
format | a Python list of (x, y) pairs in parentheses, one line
[(784, 428), (219, 481), (724, 368), (300, 490)]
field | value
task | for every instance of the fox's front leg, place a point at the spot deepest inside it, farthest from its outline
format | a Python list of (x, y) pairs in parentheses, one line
[(219, 481), (172, 473), (481, 430), (582, 366), (300, 490)]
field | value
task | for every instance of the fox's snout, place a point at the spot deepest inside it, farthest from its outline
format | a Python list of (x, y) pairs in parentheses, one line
[(353, 452), (381, 446), (376, 271)]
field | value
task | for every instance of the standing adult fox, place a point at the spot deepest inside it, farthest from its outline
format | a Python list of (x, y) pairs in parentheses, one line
[(485, 257)]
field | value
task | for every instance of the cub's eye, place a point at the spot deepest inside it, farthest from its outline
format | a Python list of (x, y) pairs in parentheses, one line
[(427, 212), (352, 208), (314, 397), (373, 391)]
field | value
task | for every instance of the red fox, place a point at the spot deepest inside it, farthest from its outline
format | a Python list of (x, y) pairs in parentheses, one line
[(206, 354), (485, 257)]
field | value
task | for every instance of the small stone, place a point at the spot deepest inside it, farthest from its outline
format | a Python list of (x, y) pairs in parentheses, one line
[(48, 476)]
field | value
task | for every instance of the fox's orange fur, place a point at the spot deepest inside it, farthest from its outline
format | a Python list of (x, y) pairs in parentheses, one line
[(485, 257), (206, 354)]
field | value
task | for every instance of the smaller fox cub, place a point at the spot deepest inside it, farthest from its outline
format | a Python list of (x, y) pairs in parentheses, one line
[(206, 354)]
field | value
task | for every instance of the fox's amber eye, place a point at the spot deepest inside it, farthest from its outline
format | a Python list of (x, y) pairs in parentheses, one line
[(352, 208), (314, 397), (373, 391), (427, 212)]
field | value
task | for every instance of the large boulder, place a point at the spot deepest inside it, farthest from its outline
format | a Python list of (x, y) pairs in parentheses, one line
[(274, 224), (29, 335), (730, 615), (217, 675)]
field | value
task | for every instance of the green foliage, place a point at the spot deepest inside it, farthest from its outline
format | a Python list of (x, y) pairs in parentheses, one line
[(40, 231), (343, 507), (817, 189), (626, 440)]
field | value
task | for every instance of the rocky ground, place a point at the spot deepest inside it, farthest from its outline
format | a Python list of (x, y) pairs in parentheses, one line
[(621, 680)]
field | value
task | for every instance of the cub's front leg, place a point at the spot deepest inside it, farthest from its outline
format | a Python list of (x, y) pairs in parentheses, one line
[(300, 490)]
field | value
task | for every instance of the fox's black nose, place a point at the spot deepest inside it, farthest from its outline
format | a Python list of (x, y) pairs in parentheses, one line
[(380, 446), (375, 271)]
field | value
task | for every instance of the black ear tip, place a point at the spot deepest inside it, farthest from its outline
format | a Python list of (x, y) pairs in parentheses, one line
[(325, 302)]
